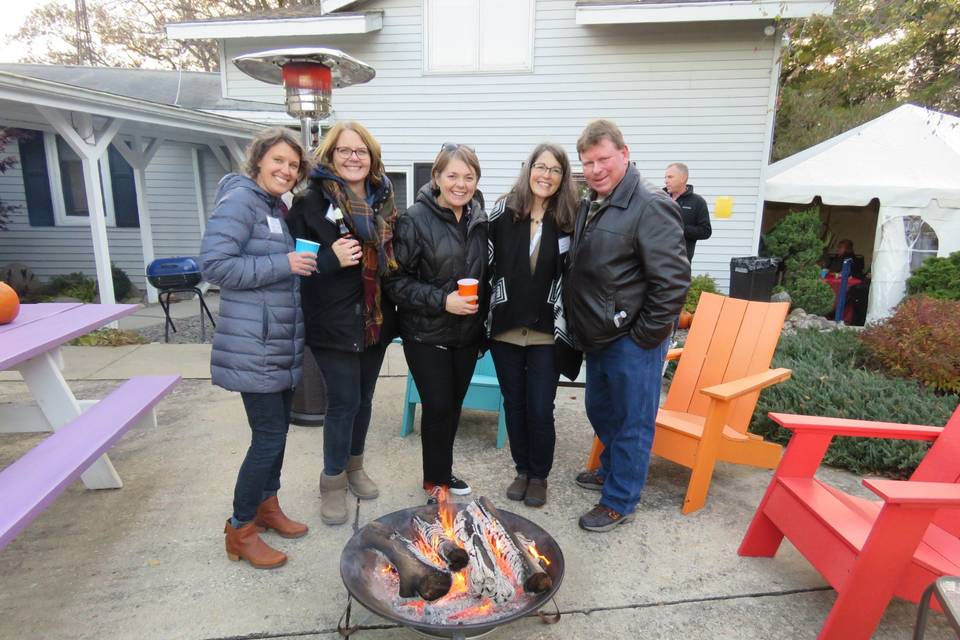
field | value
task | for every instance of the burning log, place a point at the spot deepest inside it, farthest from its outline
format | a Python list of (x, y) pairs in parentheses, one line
[(536, 580), (416, 577), (485, 578), (433, 532)]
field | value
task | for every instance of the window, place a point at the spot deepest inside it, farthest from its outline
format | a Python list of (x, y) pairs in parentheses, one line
[(399, 181), (55, 190), (921, 239), (478, 36)]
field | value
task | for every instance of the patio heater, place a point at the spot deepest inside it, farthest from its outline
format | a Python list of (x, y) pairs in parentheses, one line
[(308, 75)]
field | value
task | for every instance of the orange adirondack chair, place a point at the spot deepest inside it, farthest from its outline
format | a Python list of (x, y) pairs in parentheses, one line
[(721, 370), (867, 550)]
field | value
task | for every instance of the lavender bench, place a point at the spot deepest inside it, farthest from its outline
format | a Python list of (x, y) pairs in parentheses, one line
[(33, 482)]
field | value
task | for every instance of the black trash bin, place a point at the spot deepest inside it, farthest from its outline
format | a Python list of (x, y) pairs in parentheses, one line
[(753, 277)]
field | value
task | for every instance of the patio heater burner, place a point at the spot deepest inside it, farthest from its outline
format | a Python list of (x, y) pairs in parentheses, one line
[(472, 607)]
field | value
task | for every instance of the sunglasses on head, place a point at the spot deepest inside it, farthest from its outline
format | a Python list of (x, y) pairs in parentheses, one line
[(453, 146)]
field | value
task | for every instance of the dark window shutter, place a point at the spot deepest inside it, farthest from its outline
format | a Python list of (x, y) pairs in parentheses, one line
[(421, 176), (124, 190), (36, 180)]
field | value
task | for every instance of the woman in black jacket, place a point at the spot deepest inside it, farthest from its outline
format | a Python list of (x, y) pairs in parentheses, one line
[(530, 233), (348, 208), (441, 239)]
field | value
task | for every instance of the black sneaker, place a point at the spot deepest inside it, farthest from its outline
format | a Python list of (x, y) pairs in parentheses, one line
[(602, 518), (458, 487), (590, 480)]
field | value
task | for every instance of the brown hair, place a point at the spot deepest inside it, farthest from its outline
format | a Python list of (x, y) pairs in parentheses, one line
[(264, 141), (562, 205), (325, 153), (450, 152), (596, 131)]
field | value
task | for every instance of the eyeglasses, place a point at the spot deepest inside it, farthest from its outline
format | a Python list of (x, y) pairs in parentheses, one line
[(542, 168), (345, 152)]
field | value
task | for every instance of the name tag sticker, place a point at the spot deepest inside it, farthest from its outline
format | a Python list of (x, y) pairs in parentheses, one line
[(564, 244), (274, 224)]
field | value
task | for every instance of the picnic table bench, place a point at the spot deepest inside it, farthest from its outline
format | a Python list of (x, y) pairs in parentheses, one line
[(82, 431)]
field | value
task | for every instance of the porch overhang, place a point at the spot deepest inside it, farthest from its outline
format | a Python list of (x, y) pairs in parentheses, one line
[(278, 27), (140, 113), (644, 11)]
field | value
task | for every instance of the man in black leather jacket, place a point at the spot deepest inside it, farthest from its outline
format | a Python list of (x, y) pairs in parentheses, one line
[(627, 280)]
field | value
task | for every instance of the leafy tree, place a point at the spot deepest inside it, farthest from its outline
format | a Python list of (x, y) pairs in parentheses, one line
[(842, 70), (131, 33)]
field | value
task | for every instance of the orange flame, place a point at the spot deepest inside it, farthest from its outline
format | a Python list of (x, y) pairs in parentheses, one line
[(500, 557), (532, 548)]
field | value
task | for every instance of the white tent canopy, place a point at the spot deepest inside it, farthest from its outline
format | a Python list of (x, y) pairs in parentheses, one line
[(909, 159)]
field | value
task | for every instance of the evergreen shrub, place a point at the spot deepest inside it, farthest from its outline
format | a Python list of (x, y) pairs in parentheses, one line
[(796, 241), (920, 341), (937, 277), (830, 379), (698, 284)]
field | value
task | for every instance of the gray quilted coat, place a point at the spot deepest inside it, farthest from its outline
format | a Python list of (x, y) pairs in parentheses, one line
[(258, 344)]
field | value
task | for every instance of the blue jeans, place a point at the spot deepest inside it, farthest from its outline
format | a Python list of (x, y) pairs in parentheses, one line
[(259, 477), (622, 396), (351, 378), (528, 380)]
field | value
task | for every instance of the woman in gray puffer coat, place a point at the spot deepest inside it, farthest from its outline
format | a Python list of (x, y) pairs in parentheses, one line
[(258, 345)]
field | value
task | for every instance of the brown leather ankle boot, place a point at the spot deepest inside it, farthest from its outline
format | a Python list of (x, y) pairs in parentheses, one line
[(271, 516), (245, 542)]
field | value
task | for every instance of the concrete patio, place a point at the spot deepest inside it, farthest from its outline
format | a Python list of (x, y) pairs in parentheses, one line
[(147, 560)]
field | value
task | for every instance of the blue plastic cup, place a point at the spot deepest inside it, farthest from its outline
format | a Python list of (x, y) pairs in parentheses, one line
[(307, 245)]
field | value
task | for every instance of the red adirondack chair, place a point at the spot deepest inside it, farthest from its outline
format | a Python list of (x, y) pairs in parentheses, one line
[(869, 551)]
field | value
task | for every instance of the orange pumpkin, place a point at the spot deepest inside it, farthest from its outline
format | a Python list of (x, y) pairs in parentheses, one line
[(9, 303), (686, 318)]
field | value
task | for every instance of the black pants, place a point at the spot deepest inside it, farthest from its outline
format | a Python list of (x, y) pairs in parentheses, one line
[(442, 375), (528, 380)]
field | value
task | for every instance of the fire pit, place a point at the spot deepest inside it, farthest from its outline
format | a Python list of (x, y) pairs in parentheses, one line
[(408, 567)]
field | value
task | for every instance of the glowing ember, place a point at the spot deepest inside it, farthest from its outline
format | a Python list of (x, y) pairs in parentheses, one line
[(473, 612)]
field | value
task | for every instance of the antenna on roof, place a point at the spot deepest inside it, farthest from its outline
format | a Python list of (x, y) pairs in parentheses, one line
[(84, 41)]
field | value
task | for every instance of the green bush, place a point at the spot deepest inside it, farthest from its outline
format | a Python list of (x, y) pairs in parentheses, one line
[(122, 287), (698, 284), (796, 241), (920, 341), (74, 285), (937, 278), (830, 379)]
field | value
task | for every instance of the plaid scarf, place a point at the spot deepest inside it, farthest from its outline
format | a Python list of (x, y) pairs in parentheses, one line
[(371, 220)]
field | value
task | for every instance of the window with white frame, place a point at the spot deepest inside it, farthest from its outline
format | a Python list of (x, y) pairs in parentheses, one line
[(55, 189), (478, 36)]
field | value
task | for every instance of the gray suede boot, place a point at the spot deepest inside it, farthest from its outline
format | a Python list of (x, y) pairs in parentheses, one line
[(360, 483), (333, 498)]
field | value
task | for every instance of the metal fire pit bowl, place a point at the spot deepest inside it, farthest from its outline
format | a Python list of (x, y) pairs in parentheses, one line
[(358, 564)]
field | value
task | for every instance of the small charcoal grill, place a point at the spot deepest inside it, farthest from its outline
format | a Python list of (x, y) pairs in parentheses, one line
[(359, 566), (173, 275)]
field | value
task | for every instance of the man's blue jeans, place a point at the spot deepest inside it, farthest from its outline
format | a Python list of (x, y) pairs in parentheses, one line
[(622, 396)]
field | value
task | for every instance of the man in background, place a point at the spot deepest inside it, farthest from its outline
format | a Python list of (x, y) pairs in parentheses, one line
[(693, 208)]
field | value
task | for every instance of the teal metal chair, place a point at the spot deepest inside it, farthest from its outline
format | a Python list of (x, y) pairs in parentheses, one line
[(483, 394)]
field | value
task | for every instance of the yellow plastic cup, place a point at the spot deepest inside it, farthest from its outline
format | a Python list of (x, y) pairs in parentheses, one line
[(723, 208)]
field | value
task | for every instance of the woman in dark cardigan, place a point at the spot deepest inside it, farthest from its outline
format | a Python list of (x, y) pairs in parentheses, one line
[(529, 231)]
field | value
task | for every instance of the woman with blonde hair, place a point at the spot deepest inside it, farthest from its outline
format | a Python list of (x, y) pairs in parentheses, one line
[(441, 239), (248, 252), (529, 231), (348, 208)]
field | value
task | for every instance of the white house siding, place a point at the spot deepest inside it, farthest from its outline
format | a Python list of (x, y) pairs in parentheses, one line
[(693, 93), (57, 250)]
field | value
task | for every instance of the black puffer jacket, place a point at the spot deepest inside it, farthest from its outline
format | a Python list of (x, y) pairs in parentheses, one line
[(628, 271), (333, 296), (433, 254)]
